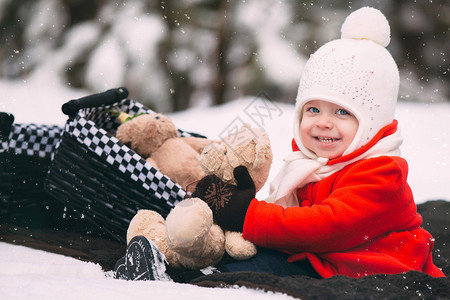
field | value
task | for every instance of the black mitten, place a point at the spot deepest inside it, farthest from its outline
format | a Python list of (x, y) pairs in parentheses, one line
[(228, 202)]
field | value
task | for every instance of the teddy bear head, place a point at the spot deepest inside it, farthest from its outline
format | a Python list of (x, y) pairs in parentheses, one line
[(146, 133), (249, 147)]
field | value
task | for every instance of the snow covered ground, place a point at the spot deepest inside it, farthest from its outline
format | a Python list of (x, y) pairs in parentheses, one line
[(30, 274)]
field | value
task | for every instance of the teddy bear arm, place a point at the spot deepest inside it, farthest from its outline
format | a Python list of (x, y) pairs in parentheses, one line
[(152, 162), (198, 144), (179, 162), (237, 247)]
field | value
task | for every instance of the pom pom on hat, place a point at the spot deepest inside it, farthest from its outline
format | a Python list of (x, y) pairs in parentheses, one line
[(367, 23)]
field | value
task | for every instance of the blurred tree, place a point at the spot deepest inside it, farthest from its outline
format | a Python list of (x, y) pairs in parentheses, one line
[(81, 11), (198, 33), (13, 25), (423, 36), (176, 54)]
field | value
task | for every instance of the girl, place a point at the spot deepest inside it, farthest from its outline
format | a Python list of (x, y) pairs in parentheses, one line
[(341, 202)]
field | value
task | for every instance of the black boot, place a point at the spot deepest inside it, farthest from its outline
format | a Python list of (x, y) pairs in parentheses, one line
[(142, 261), (120, 270)]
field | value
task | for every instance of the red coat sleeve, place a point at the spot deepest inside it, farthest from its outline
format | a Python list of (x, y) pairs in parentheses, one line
[(365, 200)]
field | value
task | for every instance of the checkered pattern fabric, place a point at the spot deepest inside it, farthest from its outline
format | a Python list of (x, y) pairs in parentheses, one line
[(102, 117), (32, 140), (92, 127)]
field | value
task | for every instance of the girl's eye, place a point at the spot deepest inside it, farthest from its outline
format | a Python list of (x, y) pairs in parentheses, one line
[(313, 110), (342, 112)]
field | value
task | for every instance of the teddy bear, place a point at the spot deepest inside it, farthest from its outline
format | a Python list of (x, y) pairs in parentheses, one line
[(248, 147), (155, 138), (188, 237)]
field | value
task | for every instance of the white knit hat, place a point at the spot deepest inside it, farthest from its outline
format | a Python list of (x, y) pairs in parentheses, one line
[(355, 72)]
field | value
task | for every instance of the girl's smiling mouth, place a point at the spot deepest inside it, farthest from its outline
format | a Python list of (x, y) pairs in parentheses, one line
[(326, 139)]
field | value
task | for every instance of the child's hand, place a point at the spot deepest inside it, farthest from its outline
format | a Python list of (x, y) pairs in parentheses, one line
[(228, 202)]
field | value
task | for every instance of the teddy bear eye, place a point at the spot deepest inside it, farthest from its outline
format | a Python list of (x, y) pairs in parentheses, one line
[(157, 117)]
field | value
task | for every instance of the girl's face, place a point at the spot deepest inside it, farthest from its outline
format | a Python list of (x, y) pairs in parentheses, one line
[(326, 128)]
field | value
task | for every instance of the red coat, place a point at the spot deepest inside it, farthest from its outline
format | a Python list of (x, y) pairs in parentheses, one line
[(359, 221)]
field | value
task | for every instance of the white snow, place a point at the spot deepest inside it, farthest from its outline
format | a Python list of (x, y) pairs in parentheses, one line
[(33, 274)]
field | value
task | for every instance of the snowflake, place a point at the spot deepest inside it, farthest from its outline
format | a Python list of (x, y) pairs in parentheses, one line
[(217, 195)]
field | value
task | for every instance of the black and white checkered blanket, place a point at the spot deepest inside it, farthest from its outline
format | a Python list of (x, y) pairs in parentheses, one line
[(32, 140)]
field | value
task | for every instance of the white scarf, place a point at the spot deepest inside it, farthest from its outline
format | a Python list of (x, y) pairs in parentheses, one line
[(299, 170)]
